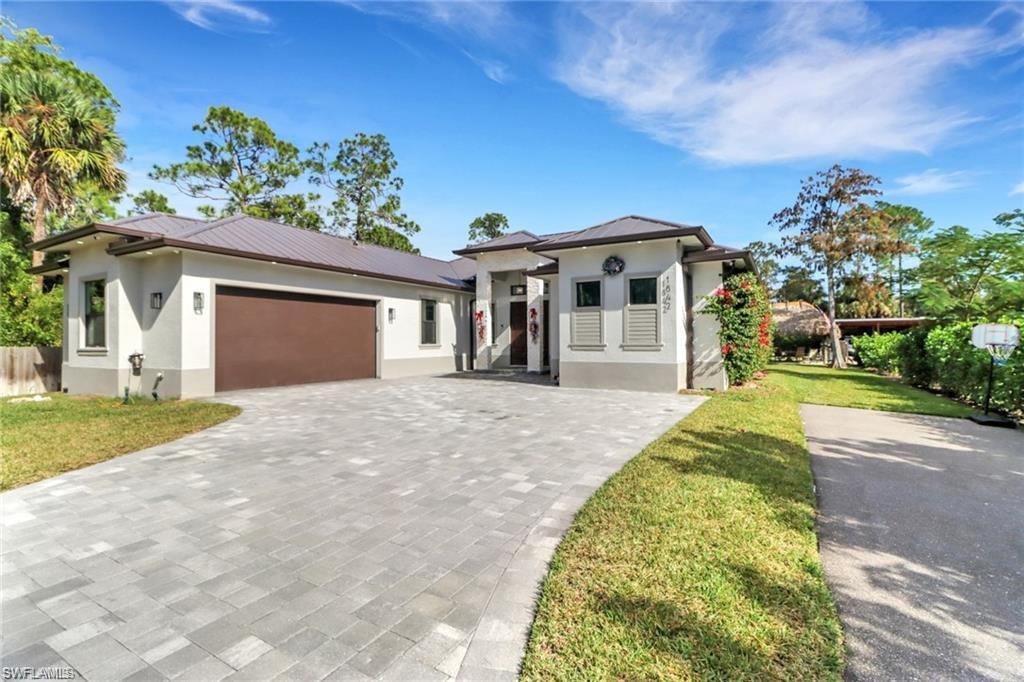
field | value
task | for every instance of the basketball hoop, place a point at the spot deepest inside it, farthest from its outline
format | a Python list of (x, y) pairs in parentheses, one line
[(1000, 340), (1000, 352)]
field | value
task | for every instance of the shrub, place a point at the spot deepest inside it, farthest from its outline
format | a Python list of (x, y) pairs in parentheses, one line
[(879, 351), (791, 342), (912, 362), (942, 357), (744, 314)]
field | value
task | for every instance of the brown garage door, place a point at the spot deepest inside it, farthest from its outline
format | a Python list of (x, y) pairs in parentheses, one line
[(275, 338)]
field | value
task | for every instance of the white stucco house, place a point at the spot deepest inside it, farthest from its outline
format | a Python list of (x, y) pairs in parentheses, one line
[(195, 307)]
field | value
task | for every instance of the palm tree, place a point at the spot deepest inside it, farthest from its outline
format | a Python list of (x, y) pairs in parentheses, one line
[(52, 138)]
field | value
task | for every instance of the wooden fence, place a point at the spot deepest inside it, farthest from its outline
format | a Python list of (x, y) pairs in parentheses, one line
[(29, 370)]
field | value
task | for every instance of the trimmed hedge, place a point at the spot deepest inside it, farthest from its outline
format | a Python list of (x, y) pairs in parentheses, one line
[(879, 351), (942, 357)]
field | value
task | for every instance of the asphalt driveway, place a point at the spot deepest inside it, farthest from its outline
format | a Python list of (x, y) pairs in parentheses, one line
[(922, 539), (393, 529)]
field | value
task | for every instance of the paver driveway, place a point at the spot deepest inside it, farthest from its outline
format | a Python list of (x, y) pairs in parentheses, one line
[(922, 539), (392, 529)]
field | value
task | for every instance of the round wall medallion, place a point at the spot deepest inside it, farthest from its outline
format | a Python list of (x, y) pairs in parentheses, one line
[(613, 265)]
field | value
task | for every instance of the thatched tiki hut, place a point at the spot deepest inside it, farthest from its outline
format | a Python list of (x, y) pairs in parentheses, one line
[(798, 325)]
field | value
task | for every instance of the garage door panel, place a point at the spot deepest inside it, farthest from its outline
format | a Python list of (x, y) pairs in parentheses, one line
[(274, 338)]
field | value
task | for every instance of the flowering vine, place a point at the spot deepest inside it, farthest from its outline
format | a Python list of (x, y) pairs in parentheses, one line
[(744, 315), (534, 326)]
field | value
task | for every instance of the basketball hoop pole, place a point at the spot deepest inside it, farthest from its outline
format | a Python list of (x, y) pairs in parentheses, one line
[(988, 389)]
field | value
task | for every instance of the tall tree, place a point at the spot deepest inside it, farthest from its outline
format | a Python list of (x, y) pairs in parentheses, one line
[(244, 166), (150, 201), (56, 129), (488, 226), (907, 225), (367, 206), (766, 256), (799, 284), (833, 225), (864, 295), (91, 204), (971, 277)]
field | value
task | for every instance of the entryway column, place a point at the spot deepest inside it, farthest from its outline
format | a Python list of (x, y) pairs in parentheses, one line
[(482, 320), (534, 324)]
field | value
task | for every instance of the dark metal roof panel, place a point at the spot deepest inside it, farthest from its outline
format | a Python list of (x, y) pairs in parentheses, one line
[(246, 234), (624, 229), (158, 223)]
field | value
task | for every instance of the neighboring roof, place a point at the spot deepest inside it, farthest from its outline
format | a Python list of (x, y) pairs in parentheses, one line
[(850, 324), (799, 318), (255, 238), (717, 252), (625, 229)]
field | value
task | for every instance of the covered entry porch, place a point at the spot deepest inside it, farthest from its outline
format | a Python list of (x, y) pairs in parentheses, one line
[(516, 320)]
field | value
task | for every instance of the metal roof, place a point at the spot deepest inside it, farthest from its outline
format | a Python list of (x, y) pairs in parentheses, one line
[(249, 237), (624, 229)]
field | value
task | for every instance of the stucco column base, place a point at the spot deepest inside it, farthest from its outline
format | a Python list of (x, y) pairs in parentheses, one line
[(534, 304)]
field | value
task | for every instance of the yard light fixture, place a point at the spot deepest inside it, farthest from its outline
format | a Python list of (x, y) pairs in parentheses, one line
[(156, 300), (197, 302), (392, 313)]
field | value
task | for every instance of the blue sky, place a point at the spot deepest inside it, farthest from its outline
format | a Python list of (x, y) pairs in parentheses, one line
[(565, 115)]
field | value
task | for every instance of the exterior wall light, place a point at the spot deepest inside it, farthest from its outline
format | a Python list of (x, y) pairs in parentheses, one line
[(197, 302), (156, 300), (392, 314)]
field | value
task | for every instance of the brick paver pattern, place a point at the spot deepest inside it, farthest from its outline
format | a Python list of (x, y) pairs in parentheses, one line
[(371, 529)]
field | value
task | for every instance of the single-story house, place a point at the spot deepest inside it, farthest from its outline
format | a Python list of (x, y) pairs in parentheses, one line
[(207, 306)]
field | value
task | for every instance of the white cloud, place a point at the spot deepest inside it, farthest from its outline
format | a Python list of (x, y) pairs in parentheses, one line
[(477, 21), (211, 14), (481, 18), (1018, 188), (783, 82), (931, 181), (495, 70)]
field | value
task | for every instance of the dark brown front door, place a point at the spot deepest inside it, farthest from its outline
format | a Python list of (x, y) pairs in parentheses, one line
[(276, 338), (517, 329)]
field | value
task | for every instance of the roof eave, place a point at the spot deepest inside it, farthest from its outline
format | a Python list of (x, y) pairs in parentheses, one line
[(739, 254), (85, 231), (162, 242), (470, 251), (47, 268), (699, 232)]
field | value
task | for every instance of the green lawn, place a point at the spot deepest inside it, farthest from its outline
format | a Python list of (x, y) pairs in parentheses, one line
[(857, 388), (43, 439), (697, 560)]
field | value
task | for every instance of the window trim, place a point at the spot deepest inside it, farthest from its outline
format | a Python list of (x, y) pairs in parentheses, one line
[(574, 309), (436, 343), (576, 281), (656, 306), (83, 308)]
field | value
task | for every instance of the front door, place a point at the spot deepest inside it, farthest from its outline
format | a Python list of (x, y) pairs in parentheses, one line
[(517, 330)]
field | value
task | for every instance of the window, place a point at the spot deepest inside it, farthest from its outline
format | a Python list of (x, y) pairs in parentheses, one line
[(641, 319), (586, 323), (588, 294), (428, 322), (643, 291), (94, 298)]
